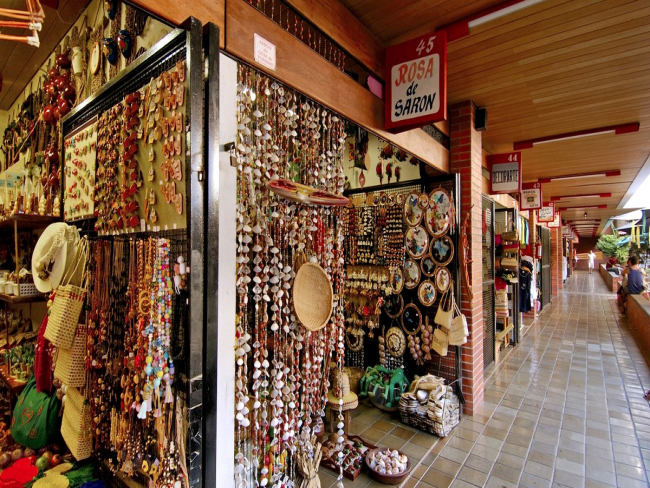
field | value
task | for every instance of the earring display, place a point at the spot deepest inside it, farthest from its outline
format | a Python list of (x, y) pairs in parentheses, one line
[(80, 156)]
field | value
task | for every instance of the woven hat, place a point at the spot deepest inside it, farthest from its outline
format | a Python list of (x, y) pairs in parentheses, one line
[(56, 247), (350, 399), (313, 296)]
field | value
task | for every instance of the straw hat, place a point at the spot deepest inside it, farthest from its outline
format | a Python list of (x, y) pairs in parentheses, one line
[(313, 296), (56, 247), (350, 399)]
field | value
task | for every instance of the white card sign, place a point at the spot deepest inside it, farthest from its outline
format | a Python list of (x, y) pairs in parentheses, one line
[(546, 213), (264, 52), (531, 196)]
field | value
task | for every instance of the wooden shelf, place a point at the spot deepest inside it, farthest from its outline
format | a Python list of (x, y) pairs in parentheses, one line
[(502, 334), (13, 299), (28, 222), (16, 386)]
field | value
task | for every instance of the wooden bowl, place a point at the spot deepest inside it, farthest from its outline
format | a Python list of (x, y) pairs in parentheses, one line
[(387, 479)]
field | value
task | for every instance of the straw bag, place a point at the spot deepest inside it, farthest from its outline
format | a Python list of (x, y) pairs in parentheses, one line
[(510, 235), (445, 309), (509, 263), (440, 342), (67, 303), (76, 428), (458, 332), (70, 363)]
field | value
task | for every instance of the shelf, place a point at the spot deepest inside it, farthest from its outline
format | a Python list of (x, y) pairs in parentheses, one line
[(16, 386), (13, 299), (28, 222), (502, 334)]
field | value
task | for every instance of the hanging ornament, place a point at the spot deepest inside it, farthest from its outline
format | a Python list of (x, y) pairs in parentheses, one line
[(362, 179), (124, 43), (110, 50)]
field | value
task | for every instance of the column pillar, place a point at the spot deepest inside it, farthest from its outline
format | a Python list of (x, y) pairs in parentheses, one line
[(466, 159)]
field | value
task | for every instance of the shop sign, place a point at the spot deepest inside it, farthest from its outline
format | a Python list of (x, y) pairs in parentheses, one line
[(546, 213), (505, 172), (264, 52), (566, 231), (530, 197), (556, 223), (416, 73)]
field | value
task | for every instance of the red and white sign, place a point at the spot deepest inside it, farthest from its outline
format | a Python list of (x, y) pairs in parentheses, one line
[(264, 52), (546, 213), (556, 223), (505, 173), (530, 197), (416, 77)]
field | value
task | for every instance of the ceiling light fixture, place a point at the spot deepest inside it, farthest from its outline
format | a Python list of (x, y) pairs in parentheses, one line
[(607, 174), (561, 209), (612, 129), (462, 27), (592, 195)]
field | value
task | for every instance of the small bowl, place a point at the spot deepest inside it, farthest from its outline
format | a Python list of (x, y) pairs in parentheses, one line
[(388, 479)]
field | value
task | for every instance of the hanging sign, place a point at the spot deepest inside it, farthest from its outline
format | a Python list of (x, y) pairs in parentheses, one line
[(264, 52), (530, 197), (556, 223), (416, 74), (546, 213), (505, 172)]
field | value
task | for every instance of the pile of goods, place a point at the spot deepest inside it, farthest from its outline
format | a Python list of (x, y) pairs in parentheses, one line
[(354, 451), (390, 467), (430, 405), (23, 279), (383, 386)]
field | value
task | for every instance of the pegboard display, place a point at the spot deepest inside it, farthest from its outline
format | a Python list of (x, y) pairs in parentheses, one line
[(80, 157)]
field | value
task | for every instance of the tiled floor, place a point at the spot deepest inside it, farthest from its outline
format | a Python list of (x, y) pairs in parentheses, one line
[(565, 408)]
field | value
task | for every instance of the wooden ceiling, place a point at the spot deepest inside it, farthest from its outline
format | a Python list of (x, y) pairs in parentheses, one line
[(19, 62), (555, 67)]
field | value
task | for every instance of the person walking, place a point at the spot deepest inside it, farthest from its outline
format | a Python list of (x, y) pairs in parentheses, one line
[(592, 260)]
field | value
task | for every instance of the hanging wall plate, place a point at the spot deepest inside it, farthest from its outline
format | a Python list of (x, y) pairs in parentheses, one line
[(413, 213), (395, 342), (95, 58), (393, 306), (412, 319), (442, 250), (411, 274), (428, 265), (442, 279), (416, 241), (396, 279), (427, 293), (437, 214)]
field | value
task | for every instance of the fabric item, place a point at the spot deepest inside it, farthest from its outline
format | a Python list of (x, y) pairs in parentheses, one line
[(35, 421), (20, 473), (525, 285), (635, 282), (82, 475), (43, 360)]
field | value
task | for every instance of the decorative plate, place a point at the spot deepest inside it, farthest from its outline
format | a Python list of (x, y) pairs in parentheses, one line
[(439, 199), (437, 215), (395, 342), (428, 265), (393, 306), (297, 192), (424, 200), (427, 293), (442, 250), (411, 274), (416, 241), (95, 57), (412, 319), (396, 279), (413, 213), (442, 279)]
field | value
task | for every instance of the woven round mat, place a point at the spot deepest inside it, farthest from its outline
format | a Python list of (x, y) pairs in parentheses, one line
[(312, 296)]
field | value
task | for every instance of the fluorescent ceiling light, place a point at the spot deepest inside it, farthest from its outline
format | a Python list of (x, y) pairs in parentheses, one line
[(612, 129), (576, 176), (497, 14), (592, 195)]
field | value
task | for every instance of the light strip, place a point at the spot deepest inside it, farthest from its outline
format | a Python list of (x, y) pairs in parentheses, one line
[(592, 195), (613, 129), (607, 174), (497, 14), (582, 206)]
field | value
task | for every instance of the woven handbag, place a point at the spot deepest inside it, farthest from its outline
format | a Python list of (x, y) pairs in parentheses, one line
[(70, 363), (67, 303), (76, 428), (458, 332), (510, 235), (445, 310), (440, 342)]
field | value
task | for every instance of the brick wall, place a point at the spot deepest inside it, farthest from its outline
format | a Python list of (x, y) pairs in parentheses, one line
[(466, 159)]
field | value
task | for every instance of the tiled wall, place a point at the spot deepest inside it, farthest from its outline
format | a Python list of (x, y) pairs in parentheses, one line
[(466, 159)]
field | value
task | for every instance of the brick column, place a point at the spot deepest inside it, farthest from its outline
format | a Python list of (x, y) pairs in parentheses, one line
[(556, 264), (466, 159)]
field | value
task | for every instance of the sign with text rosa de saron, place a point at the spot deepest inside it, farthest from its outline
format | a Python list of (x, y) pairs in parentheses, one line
[(416, 77)]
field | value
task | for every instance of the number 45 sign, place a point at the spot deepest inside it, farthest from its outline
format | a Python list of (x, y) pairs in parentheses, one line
[(416, 74)]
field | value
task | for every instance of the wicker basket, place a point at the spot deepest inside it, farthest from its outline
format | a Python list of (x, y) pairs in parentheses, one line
[(354, 375), (28, 289), (313, 297), (437, 417), (70, 363), (76, 427), (64, 316)]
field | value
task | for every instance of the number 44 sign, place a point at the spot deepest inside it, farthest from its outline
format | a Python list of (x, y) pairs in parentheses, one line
[(505, 172), (416, 74)]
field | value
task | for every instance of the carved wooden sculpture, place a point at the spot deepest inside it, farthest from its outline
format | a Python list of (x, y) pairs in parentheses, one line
[(465, 260)]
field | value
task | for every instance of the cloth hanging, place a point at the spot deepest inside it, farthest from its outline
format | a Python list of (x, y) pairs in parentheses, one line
[(525, 281)]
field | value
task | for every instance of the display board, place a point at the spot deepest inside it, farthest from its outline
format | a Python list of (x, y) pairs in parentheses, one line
[(80, 157)]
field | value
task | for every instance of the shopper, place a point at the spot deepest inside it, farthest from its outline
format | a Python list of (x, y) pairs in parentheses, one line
[(592, 260), (635, 281)]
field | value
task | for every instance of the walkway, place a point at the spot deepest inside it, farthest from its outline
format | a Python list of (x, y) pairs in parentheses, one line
[(565, 409)]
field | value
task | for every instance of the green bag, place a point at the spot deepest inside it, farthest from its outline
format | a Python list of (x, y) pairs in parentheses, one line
[(36, 419)]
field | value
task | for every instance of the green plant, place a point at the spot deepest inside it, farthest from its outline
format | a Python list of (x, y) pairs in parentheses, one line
[(612, 245)]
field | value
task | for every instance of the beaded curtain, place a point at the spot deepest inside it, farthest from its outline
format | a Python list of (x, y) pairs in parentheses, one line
[(282, 368)]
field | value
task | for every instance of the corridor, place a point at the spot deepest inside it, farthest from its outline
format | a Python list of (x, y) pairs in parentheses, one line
[(565, 409)]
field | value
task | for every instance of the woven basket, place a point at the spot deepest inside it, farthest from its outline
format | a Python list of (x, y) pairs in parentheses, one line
[(354, 375), (70, 363), (67, 304), (423, 415), (313, 297), (76, 428)]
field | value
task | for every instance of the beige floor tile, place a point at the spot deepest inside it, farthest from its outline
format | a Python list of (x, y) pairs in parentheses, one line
[(446, 466), (437, 479), (472, 476)]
